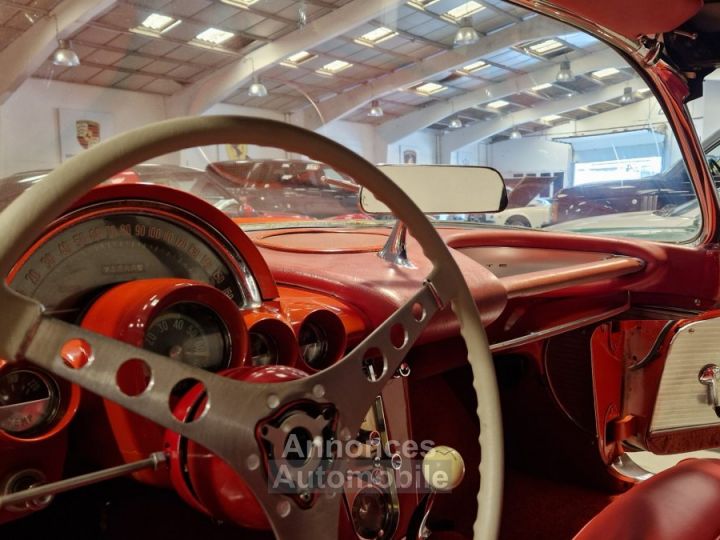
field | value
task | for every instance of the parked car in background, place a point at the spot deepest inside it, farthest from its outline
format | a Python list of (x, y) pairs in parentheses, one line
[(194, 181), (678, 223), (528, 204), (318, 190), (664, 191)]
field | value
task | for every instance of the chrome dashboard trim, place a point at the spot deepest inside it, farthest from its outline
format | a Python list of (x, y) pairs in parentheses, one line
[(559, 329)]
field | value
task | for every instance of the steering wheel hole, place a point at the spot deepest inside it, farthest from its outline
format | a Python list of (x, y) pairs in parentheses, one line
[(133, 377), (374, 364), (418, 312), (398, 336), (76, 353)]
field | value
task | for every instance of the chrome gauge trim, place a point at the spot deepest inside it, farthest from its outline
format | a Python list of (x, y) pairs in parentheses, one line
[(48, 416), (242, 276)]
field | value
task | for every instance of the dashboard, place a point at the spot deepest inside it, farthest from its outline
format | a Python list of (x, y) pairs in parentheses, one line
[(161, 270)]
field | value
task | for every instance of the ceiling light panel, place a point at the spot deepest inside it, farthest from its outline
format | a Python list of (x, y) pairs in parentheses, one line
[(156, 24), (475, 66), (430, 88), (604, 73), (498, 104), (239, 3), (541, 87), (421, 4), (551, 118), (336, 66), (296, 59), (214, 36), (464, 10), (380, 34), (546, 46)]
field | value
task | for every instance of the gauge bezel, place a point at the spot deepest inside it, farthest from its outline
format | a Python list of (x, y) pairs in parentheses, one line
[(336, 337), (223, 235), (279, 331), (66, 406), (227, 341)]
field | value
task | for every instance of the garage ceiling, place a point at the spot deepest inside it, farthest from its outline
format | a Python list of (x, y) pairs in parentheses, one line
[(116, 52)]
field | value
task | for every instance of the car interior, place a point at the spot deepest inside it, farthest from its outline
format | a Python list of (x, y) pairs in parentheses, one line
[(284, 295)]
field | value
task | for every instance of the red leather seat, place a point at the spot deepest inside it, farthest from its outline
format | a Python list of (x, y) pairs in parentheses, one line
[(680, 503)]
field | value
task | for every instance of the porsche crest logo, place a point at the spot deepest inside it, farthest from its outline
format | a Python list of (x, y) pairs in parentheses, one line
[(87, 132)]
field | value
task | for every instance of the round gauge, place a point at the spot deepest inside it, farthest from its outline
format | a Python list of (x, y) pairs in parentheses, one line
[(313, 345), (371, 513), (263, 350), (192, 334), (28, 401)]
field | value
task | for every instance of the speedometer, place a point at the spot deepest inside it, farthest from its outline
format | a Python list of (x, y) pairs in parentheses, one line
[(190, 333), (90, 253)]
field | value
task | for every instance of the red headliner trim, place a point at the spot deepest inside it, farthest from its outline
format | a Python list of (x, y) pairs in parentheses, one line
[(634, 18)]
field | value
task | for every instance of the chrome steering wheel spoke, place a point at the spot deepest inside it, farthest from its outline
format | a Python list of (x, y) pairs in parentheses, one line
[(353, 383)]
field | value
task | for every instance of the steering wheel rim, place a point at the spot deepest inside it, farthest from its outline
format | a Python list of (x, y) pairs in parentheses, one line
[(26, 333)]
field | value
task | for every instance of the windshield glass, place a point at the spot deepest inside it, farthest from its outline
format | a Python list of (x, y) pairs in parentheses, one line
[(582, 143)]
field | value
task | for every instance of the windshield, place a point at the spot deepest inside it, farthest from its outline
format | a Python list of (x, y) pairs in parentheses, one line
[(582, 143)]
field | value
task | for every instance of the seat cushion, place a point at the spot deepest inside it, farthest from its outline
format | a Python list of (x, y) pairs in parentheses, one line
[(679, 503)]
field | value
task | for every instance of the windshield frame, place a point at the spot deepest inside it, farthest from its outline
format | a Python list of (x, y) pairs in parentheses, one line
[(671, 90)]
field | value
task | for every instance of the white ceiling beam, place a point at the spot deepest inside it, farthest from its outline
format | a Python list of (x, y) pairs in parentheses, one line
[(347, 102), (24, 56), (401, 127), (212, 89), (480, 131)]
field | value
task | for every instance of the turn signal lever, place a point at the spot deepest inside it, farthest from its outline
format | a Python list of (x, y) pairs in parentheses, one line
[(443, 469)]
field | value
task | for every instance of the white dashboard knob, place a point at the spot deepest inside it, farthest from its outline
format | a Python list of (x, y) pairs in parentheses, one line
[(443, 468)]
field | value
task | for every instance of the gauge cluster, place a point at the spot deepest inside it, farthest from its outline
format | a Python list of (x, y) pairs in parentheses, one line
[(159, 270)]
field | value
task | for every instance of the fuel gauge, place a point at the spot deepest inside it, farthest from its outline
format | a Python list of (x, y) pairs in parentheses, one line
[(28, 401)]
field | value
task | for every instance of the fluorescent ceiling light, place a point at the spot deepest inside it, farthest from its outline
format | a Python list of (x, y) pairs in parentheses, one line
[(333, 67), (239, 3), (475, 66), (430, 88), (465, 10), (376, 36), (158, 22), (603, 73), (296, 59), (499, 104), (421, 4), (546, 46), (551, 118), (540, 87), (643, 90), (214, 36)]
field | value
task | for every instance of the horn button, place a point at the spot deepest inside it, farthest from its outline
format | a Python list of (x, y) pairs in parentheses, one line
[(299, 450)]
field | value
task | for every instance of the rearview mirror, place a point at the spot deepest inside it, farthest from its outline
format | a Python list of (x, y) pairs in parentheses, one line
[(442, 189)]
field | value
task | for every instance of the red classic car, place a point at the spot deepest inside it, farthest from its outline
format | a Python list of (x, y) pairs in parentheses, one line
[(166, 372)]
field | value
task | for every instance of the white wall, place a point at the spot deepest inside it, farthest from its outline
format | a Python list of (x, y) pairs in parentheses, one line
[(423, 143), (29, 136), (531, 154), (360, 138), (29, 130)]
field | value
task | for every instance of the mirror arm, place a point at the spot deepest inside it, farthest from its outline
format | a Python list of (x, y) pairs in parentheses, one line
[(395, 249)]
